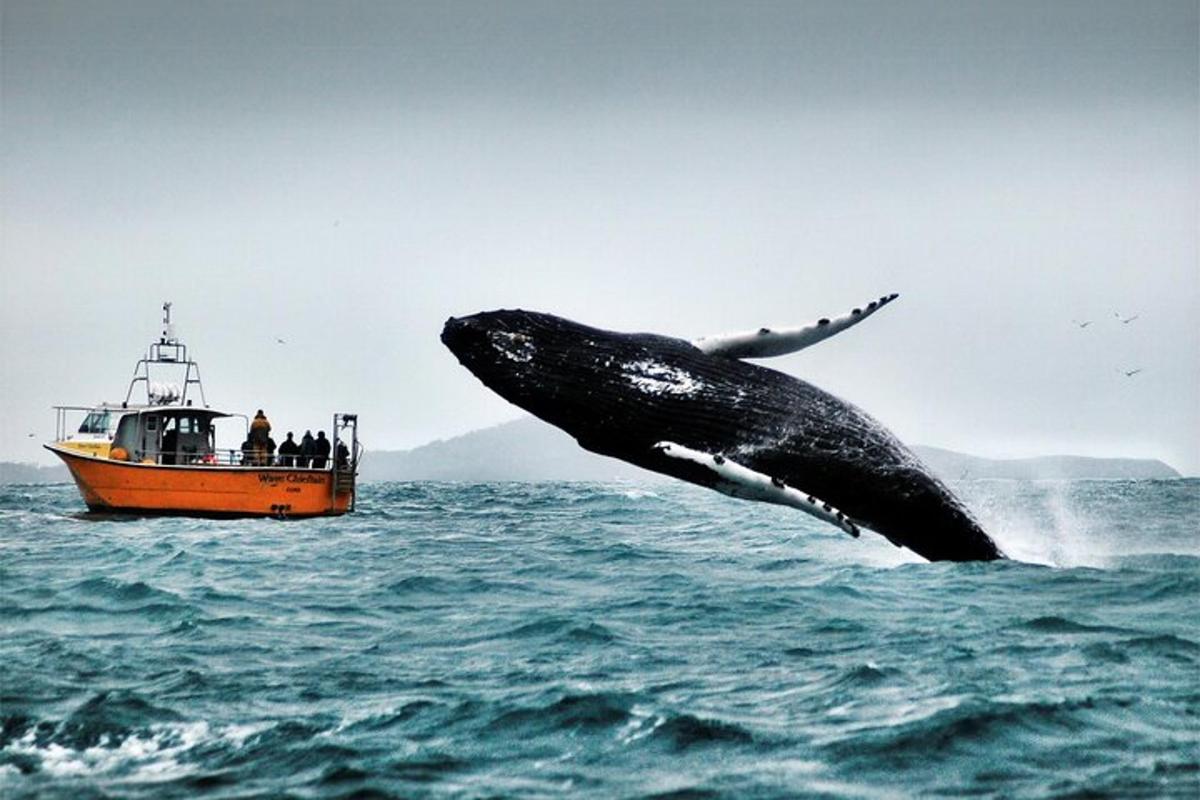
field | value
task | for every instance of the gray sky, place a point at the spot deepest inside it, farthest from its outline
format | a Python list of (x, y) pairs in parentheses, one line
[(347, 175)]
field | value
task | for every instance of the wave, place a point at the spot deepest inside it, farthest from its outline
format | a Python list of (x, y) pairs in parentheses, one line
[(627, 714), (556, 629), (998, 728), (122, 591), (569, 712), (1054, 624), (685, 731), (112, 737)]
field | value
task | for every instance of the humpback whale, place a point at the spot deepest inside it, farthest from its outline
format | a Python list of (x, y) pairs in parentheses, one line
[(697, 411)]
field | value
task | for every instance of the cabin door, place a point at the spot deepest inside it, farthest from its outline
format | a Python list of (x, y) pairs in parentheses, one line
[(151, 435)]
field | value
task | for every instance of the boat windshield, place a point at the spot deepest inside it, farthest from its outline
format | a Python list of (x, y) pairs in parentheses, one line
[(95, 422)]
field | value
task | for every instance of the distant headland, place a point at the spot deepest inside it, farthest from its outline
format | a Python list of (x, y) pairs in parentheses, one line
[(530, 450)]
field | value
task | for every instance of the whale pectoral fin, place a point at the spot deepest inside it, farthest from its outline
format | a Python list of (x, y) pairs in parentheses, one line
[(766, 342), (737, 480)]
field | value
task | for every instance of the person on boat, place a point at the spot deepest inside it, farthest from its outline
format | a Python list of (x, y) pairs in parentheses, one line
[(307, 450), (270, 459), (247, 452), (342, 453), (321, 447), (260, 433), (288, 451), (260, 428), (170, 440)]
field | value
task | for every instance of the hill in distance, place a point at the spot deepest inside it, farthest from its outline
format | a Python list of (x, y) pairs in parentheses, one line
[(11, 472), (530, 450)]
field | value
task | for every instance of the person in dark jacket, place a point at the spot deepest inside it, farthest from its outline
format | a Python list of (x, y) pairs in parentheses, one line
[(288, 451), (307, 450), (342, 454), (321, 449)]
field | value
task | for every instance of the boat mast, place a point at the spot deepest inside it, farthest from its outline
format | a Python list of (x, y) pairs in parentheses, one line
[(167, 350)]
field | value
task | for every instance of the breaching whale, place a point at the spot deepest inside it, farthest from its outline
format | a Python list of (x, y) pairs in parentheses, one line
[(696, 411)]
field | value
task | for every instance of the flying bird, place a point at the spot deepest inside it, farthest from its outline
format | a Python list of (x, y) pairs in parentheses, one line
[(280, 341), (1083, 324), (1125, 320), (1130, 373)]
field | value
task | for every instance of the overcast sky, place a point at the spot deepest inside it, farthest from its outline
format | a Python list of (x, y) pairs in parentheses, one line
[(346, 175)]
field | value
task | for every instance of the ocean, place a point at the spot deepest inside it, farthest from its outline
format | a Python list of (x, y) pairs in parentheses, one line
[(600, 640)]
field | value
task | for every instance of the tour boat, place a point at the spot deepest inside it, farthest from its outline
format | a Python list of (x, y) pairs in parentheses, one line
[(160, 456)]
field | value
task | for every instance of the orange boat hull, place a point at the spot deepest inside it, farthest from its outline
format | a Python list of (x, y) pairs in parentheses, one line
[(204, 490)]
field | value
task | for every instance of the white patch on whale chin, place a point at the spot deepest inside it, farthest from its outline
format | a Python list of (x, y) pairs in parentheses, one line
[(513, 346), (653, 378)]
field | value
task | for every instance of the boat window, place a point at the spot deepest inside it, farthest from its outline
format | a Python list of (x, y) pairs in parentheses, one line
[(127, 433), (151, 422), (192, 425), (95, 422)]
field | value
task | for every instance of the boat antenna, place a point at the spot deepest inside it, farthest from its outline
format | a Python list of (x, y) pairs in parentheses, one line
[(168, 333)]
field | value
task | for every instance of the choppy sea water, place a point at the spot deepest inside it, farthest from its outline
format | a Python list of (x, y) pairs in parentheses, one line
[(600, 640)]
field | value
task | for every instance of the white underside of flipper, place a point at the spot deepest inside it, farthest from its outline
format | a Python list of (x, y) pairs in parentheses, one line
[(766, 342), (737, 480)]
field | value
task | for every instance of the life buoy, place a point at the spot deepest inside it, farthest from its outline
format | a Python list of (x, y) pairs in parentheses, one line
[(118, 454)]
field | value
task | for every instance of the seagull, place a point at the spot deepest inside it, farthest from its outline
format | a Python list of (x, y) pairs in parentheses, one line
[(1125, 320), (1130, 373), (1083, 324)]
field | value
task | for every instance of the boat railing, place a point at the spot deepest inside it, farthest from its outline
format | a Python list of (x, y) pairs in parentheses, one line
[(234, 458), (64, 427), (347, 451)]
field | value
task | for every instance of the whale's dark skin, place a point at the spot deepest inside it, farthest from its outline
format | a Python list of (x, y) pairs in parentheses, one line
[(619, 394)]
